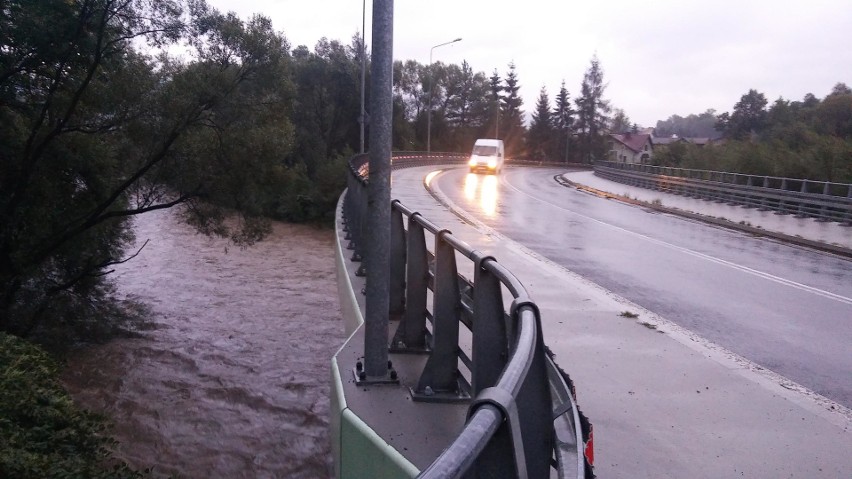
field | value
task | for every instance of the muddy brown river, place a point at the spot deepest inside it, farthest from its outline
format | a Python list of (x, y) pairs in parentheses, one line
[(231, 377)]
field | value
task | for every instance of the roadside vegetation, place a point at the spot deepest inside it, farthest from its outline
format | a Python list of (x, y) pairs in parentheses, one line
[(810, 139), (42, 433)]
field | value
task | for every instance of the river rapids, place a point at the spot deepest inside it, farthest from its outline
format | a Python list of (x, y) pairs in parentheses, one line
[(231, 376)]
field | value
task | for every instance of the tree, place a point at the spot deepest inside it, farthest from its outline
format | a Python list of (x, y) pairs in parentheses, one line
[(691, 126), (495, 89), (592, 114), (408, 103), (541, 133), (467, 107), (834, 116), (620, 122), (748, 118), (95, 133), (563, 123), (326, 83), (840, 88), (513, 124)]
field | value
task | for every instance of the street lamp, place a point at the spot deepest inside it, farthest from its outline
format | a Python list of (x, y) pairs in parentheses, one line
[(362, 118), (429, 112)]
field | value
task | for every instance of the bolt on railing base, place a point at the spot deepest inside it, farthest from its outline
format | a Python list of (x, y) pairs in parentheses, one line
[(361, 378), (398, 346), (403, 349), (428, 395)]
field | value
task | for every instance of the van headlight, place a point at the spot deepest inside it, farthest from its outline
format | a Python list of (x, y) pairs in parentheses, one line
[(472, 161), (492, 163)]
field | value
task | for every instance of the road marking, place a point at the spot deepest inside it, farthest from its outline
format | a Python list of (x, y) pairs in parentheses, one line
[(745, 269)]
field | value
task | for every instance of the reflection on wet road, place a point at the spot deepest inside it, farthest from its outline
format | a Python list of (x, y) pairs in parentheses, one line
[(786, 308), (482, 190)]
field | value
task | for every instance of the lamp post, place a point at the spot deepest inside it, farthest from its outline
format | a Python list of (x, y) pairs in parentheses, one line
[(429, 112), (362, 118)]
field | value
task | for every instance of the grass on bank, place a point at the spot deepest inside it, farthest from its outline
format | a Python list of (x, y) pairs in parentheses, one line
[(42, 433)]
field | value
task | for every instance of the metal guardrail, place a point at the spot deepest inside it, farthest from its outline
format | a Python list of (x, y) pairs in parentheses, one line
[(817, 199), (509, 364)]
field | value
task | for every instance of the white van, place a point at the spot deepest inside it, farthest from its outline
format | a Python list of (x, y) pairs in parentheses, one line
[(488, 156)]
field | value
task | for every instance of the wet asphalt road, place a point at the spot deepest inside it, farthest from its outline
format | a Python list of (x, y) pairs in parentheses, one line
[(783, 307)]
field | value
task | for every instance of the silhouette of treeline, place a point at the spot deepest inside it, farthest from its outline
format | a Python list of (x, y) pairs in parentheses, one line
[(811, 138), (691, 126), (100, 123), (466, 105)]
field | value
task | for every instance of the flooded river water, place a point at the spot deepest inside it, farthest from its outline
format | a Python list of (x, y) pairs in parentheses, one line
[(231, 378)]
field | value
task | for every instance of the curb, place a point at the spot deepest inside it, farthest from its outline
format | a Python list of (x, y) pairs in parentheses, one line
[(760, 232)]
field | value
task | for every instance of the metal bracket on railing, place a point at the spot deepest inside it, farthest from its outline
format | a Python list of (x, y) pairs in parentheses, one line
[(517, 304), (508, 407), (397, 263), (361, 378), (522, 301), (410, 335), (440, 380), (490, 343)]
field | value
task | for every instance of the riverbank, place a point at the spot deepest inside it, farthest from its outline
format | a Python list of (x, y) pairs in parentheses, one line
[(230, 377)]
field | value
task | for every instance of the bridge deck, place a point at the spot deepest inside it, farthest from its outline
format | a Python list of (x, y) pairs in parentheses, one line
[(419, 431), (664, 402)]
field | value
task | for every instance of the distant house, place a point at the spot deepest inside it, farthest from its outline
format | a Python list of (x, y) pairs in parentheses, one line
[(665, 141), (700, 141), (632, 148), (668, 140)]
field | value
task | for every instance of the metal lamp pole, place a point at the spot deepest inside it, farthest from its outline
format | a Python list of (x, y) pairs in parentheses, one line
[(362, 119), (429, 109)]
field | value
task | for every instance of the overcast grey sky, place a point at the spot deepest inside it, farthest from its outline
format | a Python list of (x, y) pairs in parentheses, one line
[(659, 58)]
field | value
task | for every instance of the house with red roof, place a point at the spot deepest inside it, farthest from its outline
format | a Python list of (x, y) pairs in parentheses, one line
[(632, 147)]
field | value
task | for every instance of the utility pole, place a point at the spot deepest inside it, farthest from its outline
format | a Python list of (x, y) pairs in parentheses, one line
[(378, 195), (429, 109), (363, 118)]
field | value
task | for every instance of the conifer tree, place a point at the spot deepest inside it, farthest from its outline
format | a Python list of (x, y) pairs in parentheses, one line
[(540, 137), (495, 88), (511, 112), (592, 114), (563, 123)]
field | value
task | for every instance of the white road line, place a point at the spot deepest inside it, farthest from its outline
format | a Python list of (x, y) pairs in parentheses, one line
[(745, 269)]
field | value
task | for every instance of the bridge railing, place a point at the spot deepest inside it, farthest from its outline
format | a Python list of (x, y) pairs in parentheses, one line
[(522, 413), (817, 199)]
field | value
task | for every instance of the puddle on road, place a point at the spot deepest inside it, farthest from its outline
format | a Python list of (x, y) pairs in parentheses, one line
[(232, 378)]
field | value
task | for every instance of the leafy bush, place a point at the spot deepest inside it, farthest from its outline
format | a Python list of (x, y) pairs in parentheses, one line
[(42, 433)]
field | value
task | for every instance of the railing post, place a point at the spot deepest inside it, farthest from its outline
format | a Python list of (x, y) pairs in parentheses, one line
[(411, 333), (397, 263), (439, 380), (358, 254), (490, 338), (802, 208), (782, 205), (534, 400), (490, 355)]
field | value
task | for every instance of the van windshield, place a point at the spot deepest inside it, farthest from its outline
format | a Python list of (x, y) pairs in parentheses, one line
[(481, 150)]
